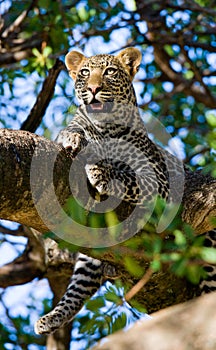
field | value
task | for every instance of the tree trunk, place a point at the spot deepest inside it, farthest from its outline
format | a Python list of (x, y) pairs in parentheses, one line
[(27, 161), (189, 326), (16, 166)]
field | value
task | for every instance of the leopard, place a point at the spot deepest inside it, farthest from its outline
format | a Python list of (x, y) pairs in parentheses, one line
[(120, 160), (208, 284)]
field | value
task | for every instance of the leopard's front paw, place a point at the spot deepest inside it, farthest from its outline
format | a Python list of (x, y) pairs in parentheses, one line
[(72, 141), (48, 324), (98, 178)]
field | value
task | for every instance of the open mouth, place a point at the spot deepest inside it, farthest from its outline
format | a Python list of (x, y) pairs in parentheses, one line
[(97, 107)]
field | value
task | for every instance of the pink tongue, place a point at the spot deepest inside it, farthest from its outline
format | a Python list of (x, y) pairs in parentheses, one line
[(97, 106)]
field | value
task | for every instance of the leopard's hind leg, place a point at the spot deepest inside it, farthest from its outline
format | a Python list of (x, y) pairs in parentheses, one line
[(208, 284), (86, 279)]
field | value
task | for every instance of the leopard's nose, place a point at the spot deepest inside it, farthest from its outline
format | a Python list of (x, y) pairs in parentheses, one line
[(94, 88)]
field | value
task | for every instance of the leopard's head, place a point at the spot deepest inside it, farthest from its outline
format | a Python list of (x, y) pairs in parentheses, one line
[(103, 79)]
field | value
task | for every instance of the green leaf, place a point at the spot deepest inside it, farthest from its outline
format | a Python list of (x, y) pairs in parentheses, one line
[(155, 265), (119, 323), (211, 118), (96, 220), (76, 211), (193, 273), (179, 267), (169, 50), (111, 295), (201, 2), (170, 257), (47, 51), (137, 305), (212, 139), (208, 254), (180, 238), (112, 223), (44, 4), (189, 74), (133, 267), (83, 14), (157, 245), (95, 304), (111, 218), (36, 52)]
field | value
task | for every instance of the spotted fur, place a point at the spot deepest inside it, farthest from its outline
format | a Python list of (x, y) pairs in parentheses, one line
[(208, 284), (107, 111)]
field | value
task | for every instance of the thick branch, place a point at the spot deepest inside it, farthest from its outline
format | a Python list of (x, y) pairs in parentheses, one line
[(18, 148), (186, 326), (199, 201), (16, 152), (41, 258)]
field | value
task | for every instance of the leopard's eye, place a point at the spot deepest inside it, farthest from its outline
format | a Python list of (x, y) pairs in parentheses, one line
[(85, 72), (110, 71)]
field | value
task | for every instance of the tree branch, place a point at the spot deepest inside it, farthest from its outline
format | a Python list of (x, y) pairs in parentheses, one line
[(38, 110), (20, 51), (17, 232), (199, 201), (16, 152), (159, 35), (187, 326), (140, 284), (29, 265), (17, 149), (18, 21), (43, 258), (162, 59)]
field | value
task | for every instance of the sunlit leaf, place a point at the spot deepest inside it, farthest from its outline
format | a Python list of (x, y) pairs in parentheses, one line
[(208, 254), (211, 118), (189, 74), (180, 238)]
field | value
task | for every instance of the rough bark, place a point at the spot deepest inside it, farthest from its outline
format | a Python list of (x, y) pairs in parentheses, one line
[(189, 326), (39, 259), (199, 201), (16, 151)]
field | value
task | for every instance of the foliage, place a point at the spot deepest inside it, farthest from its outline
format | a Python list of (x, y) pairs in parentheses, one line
[(176, 84), (105, 314)]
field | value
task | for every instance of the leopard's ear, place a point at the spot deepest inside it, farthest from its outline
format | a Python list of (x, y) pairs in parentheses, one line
[(130, 58), (73, 61)]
